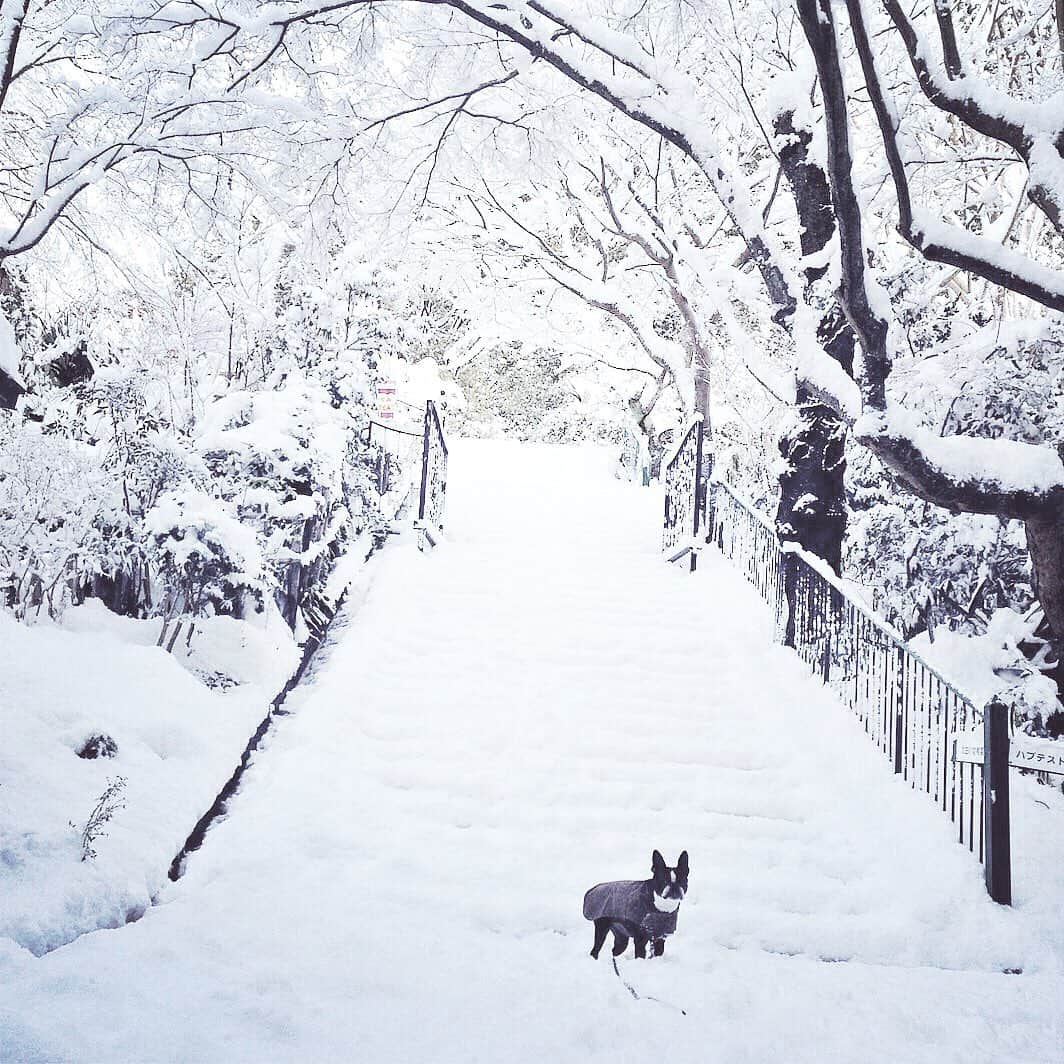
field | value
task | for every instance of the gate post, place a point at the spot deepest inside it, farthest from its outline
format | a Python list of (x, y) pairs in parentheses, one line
[(996, 801)]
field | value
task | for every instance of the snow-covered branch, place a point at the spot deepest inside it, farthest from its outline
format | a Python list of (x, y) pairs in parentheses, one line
[(933, 238), (965, 474), (1034, 130)]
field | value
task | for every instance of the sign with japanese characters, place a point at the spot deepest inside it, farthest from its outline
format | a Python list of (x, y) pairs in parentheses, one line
[(1040, 755), (386, 400)]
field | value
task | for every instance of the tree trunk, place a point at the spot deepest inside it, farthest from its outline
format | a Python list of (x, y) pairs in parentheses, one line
[(1045, 542), (812, 508), (1060, 26), (702, 397)]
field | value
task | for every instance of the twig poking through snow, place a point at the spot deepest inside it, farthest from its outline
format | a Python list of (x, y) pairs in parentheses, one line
[(109, 803)]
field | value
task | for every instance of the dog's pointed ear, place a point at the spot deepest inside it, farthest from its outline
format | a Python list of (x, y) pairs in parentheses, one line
[(657, 862), (681, 864)]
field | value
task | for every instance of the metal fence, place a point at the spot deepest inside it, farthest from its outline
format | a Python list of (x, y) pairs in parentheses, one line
[(433, 479), (906, 708), (395, 457), (684, 502)]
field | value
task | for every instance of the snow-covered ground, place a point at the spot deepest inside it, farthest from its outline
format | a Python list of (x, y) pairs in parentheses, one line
[(527, 711), (178, 741)]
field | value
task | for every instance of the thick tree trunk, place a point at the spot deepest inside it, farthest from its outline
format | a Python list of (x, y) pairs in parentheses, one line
[(1059, 6), (702, 398), (1045, 542), (812, 509)]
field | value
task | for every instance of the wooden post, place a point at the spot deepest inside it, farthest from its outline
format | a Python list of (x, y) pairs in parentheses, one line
[(996, 801)]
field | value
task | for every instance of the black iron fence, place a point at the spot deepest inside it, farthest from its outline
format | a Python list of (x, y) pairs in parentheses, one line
[(905, 706), (684, 496), (433, 479)]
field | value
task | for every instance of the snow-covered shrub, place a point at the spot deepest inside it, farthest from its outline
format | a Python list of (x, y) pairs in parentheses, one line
[(115, 417), (933, 568), (961, 585), (97, 745), (278, 458), (928, 568), (1006, 658), (147, 458), (208, 562), (52, 492)]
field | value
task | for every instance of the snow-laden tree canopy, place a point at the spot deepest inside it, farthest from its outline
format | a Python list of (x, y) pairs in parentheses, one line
[(834, 230)]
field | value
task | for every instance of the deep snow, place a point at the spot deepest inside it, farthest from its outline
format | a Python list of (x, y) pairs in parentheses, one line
[(526, 711), (178, 741)]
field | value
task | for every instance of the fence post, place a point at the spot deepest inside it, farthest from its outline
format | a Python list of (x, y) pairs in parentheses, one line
[(424, 462), (899, 714), (699, 497), (790, 595), (996, 801)]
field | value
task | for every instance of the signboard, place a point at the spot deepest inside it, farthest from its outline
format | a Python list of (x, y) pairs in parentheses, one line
[(386, 400), (1040, 755)]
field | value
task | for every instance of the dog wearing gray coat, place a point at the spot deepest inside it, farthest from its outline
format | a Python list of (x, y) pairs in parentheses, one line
[(643, 910)]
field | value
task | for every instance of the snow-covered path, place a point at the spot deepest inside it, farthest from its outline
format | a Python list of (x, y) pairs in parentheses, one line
[(527, 711)]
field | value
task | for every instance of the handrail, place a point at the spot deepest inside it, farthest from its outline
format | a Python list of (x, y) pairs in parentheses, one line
[(906, 706), (392, 428), (826, 573)]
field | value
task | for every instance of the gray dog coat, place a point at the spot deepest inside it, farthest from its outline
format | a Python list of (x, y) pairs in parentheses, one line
[(629, 902)]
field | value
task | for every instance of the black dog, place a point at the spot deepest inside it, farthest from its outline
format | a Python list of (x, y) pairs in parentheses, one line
[(642, 909)]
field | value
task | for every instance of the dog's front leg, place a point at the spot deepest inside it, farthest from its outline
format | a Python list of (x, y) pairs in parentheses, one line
[(641, 946), (659, 947)]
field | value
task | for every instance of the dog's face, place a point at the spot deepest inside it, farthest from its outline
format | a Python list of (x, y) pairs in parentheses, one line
[(670, 884)]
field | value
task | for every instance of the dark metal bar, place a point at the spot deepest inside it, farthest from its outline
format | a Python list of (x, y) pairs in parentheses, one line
[(433, 479), (424, 466)]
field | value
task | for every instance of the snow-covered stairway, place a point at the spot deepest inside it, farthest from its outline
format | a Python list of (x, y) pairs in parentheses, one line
[(530, 709)]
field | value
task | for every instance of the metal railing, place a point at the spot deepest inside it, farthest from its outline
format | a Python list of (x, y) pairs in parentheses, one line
[(433, 479), (395, 456), (906, 707), (684, 502)]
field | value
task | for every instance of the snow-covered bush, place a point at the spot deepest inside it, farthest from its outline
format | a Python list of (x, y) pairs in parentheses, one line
[(208, 562), (278, 458), (928, 568), (146, 458), (52, 493)]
